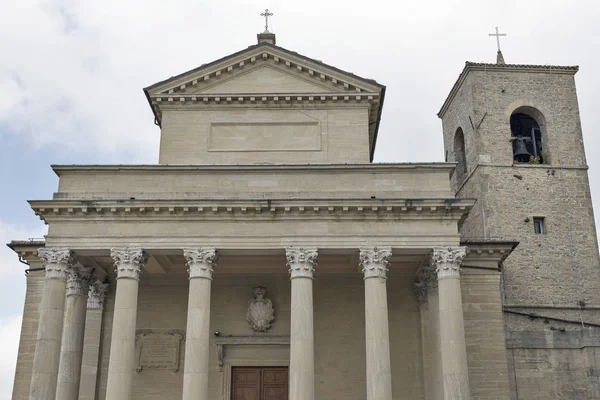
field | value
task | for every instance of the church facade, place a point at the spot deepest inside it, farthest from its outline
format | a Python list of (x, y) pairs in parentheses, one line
[(266, 257)]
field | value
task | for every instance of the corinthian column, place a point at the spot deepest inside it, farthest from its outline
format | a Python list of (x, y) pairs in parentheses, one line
[(374, 263), (57, 263), (301, 263), (431, 339), (201, 263), (91, 341), (455, 374), (69, 371), (128, 265)]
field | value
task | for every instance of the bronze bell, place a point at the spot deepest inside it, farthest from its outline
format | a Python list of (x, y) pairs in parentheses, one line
[(520, 150)]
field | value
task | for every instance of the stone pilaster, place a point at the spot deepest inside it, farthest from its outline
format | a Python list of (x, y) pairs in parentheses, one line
[(91, 341), (121, 367), (374, 263), (301, 263), (69, 371), (57, 263), (201, 263), (446, 261)]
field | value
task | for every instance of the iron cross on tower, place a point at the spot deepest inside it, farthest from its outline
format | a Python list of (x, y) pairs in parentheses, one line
[(266, 14), (497, 34)]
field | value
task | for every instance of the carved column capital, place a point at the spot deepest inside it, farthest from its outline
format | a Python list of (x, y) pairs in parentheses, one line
[(427, 281), (79, 280), (301, 262), (375, 261), (57, 262), (201, 262), (447, 260), (128, 262), (96, 295)]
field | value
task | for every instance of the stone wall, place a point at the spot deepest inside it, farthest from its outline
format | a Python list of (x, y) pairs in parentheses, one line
[(249, 136)]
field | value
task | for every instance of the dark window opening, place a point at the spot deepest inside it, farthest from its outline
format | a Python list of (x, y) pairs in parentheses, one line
[(527, 139), (460, 156), (538, 225)]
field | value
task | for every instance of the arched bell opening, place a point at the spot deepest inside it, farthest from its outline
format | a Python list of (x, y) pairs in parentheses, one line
[(527, 136)]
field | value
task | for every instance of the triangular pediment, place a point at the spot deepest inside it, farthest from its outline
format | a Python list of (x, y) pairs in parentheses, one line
[(264, 68), (264, 79)]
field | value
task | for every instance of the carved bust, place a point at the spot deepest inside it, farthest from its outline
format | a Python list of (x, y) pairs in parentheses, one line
[(260, 312)]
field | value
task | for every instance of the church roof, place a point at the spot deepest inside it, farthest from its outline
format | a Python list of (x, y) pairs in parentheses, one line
[(352, 86), (473, 66)]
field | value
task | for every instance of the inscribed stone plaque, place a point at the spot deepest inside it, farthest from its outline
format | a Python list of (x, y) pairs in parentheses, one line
[(158, 348)]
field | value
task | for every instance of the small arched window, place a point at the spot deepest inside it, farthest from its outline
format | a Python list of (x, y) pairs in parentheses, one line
[(460, 156), (526, 137)]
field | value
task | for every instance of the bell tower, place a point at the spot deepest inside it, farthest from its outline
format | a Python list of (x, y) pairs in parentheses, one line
[(514, 132)]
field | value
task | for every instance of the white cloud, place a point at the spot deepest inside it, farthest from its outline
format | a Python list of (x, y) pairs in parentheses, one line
[(10, 328)]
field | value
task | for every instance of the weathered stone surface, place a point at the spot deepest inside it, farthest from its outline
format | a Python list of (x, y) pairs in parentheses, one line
[(552, 273)]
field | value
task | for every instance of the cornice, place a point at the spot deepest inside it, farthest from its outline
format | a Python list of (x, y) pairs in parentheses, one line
[(262, 99), (265, 168), (294, 209), (488, 67)]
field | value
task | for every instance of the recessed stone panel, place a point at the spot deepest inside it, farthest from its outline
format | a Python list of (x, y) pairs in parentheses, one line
[(265, 136)]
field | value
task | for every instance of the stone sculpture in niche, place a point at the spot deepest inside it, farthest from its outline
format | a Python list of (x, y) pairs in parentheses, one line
[(260, 312)]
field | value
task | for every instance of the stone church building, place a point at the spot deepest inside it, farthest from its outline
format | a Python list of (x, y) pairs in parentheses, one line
[(266, 257)]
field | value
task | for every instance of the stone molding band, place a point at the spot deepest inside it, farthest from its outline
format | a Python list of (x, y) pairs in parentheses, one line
[(200, 262), (375, 261), (301, 262), (447, 260), (128, 262), (57, 262)]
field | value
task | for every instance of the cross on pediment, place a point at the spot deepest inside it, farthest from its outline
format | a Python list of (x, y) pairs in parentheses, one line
[(266, 14)]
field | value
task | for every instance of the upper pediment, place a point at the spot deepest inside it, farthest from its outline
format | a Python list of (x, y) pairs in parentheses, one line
[(264, 78), (264, 68)]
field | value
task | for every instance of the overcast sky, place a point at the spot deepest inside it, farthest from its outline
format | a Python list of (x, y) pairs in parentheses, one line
[(72, 73)]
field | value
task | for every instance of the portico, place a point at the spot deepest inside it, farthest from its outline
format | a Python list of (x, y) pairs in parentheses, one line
[(305, 264)]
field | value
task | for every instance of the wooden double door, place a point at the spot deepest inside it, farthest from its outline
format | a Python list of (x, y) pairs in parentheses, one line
[(259, 383)]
